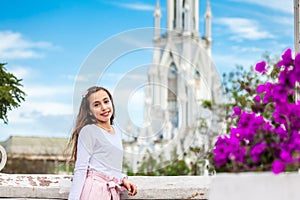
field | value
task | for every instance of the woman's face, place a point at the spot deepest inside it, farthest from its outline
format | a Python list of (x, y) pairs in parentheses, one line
[(101, 106)]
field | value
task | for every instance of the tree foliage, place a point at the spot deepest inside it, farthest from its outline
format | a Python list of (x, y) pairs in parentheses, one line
[(160, 167), (190, 163), (10, 93)]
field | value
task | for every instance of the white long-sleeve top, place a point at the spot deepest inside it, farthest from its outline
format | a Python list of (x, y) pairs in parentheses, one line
[(98, 150)]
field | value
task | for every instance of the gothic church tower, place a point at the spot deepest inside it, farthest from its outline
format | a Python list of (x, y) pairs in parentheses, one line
[(181, 76)]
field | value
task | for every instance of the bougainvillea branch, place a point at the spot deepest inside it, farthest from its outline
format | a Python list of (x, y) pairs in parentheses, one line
[(260, 142)]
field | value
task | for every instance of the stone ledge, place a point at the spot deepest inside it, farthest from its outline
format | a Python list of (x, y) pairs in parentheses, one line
[(255, 185), (223, 186), (171, 187), (48, 186), (34, 186)]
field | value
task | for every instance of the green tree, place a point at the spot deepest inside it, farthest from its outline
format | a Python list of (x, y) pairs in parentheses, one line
[(152, 166), (10, 93), (176, 166)]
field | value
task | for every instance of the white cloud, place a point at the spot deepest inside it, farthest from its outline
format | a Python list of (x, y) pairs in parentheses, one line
[(228, 62), (244, 29), (30, 112), (136, 6), (28, 122), (245, 56), (45, 111), (248, 50), (284, 20), (81, 78), (20, 71), (43, 91), (280, 5), (14, 46), (48, 108), (45, 100)]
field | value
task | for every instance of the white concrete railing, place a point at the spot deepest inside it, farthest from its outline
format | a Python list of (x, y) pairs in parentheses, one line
[(227, 186), (49, 186), (255, 185)]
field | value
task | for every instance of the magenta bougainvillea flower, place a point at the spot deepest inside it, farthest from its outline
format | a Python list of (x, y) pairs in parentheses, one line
[(261, 67), (266, 142), (257, 98), (236, 111), (278, 167), (257, 150), (286, 59)]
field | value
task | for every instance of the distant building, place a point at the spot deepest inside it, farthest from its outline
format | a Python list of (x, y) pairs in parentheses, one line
[(181, 76), (35, 155)]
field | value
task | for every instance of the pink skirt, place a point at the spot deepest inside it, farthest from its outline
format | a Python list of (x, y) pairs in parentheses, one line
[(99, 186)]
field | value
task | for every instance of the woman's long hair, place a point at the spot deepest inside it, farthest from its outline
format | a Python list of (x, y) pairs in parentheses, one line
[(85, 117)]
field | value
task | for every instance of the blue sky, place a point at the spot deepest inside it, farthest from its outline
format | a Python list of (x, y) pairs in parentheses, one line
[(46, 43)]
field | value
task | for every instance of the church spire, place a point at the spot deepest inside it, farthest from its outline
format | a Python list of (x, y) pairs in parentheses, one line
[(178, 15), (183, 16), (208, 18), (196, 17), (157, 17), (187, 26), (170, 15)]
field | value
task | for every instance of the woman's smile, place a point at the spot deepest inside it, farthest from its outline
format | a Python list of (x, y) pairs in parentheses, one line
[(101, 106), (105, 114)]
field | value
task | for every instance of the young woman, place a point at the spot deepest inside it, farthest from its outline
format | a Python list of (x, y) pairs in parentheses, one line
[(97, 150)]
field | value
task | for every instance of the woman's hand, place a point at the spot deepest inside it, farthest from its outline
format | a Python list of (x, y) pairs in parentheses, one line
[(132, 189)]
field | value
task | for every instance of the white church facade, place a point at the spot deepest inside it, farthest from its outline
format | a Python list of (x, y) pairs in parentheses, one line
[(181, 76)]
